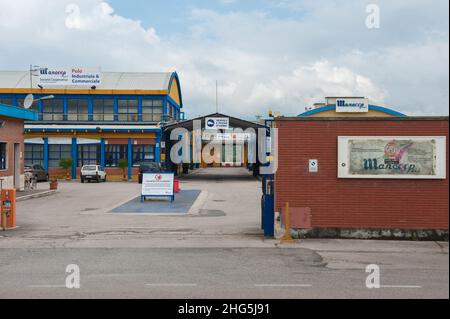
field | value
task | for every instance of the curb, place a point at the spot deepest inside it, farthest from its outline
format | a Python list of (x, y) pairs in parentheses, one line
[(37, 195)]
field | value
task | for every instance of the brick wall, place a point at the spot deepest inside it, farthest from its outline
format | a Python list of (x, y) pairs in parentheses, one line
[(10, 133), (351, 203)]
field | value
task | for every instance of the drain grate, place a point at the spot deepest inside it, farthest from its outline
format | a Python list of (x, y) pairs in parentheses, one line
[(211, 213)]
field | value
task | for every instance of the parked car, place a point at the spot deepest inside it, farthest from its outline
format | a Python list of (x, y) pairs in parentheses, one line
[(38, 172), (92, 173), (150, 167)]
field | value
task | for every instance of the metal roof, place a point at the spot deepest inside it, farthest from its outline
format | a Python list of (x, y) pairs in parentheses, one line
[(110, 81)]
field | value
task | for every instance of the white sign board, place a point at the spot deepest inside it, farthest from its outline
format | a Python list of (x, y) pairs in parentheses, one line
[(157, 184), (313, 166), (400, 157), (215, 123), (352, 105), (70, 76)]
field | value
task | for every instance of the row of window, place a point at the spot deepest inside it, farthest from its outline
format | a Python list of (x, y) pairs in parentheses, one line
[(102, 109), (88, 154)]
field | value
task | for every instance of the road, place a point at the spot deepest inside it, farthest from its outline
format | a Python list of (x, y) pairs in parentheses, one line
[(215, 251), (208, 273)]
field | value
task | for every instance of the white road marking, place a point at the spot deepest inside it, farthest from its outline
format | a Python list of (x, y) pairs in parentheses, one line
[(400, 286), (46, 286), (284, 285), (171, 285)]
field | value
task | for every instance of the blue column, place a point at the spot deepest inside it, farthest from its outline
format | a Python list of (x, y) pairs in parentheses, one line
[(90, 109), (158, 147), (102, 153), (66, 109), (40, 110), (130, 159), (140, 109), (46, 153), (74, 157)]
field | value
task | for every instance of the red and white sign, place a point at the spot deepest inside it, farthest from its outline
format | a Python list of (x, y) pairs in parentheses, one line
[(157, 184)]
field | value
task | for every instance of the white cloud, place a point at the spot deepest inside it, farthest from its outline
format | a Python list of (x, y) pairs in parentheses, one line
[(262, 62)]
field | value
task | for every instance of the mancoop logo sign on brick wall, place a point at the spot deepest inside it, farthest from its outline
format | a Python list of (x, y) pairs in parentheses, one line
[(70, 77), (392, 157)]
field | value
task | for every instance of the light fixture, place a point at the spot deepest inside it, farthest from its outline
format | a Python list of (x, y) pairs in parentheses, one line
[(93, 87)]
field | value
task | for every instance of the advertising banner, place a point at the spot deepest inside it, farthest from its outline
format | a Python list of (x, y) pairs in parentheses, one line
[(70, 77), (157, 184), (392, 157)]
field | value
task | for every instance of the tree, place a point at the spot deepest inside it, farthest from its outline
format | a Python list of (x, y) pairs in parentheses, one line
[(66, 163), (123, 164)]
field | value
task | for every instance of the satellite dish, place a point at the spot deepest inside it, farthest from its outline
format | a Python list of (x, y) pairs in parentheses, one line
[(28, 102)]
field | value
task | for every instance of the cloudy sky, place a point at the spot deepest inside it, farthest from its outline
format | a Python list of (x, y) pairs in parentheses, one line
[(266, 54)]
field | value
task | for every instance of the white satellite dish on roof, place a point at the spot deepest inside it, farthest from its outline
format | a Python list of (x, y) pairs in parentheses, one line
[(28, 102)]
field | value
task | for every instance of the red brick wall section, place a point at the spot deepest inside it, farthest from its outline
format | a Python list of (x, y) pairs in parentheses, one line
[(351, 203), (11, 132)]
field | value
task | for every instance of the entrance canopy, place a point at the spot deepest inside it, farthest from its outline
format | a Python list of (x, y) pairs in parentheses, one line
[(225, 141)]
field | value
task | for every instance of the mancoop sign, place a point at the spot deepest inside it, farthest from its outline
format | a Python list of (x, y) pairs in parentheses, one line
[(70, 76), (392, 157), (352, 105)]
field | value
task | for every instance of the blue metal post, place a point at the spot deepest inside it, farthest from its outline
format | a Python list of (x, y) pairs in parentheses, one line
[(74, 157), (130, 158), (90, 109), (46, 153), (102, 152)]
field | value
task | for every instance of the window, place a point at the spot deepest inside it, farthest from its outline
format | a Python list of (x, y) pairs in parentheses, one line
[(128, 110), (114, 153), (58, 152), (6, 100), (77, 110), (53, 110), (152, 110), (88, 155), (143, 153), (34, 154), (3, 155), (103, 109)]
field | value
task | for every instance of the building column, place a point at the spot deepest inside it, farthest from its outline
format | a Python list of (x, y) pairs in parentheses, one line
[(130, 159), (102, 153), (46, 153), (74, 157)]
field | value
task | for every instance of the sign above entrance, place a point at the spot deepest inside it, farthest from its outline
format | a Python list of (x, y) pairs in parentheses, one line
[(392, 157), (216, 123), (352, 105), (70, 76)]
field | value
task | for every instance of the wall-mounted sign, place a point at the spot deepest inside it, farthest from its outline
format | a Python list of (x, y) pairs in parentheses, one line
[(157, 185), (70, 76), (352, 105), (313, 166), (392, 157), (215, 123)]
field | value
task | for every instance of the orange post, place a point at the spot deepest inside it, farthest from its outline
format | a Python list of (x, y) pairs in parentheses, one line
[(287, 236), (8, 208)]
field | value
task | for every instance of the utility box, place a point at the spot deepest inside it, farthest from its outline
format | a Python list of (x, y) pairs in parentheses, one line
[(8, 209)]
